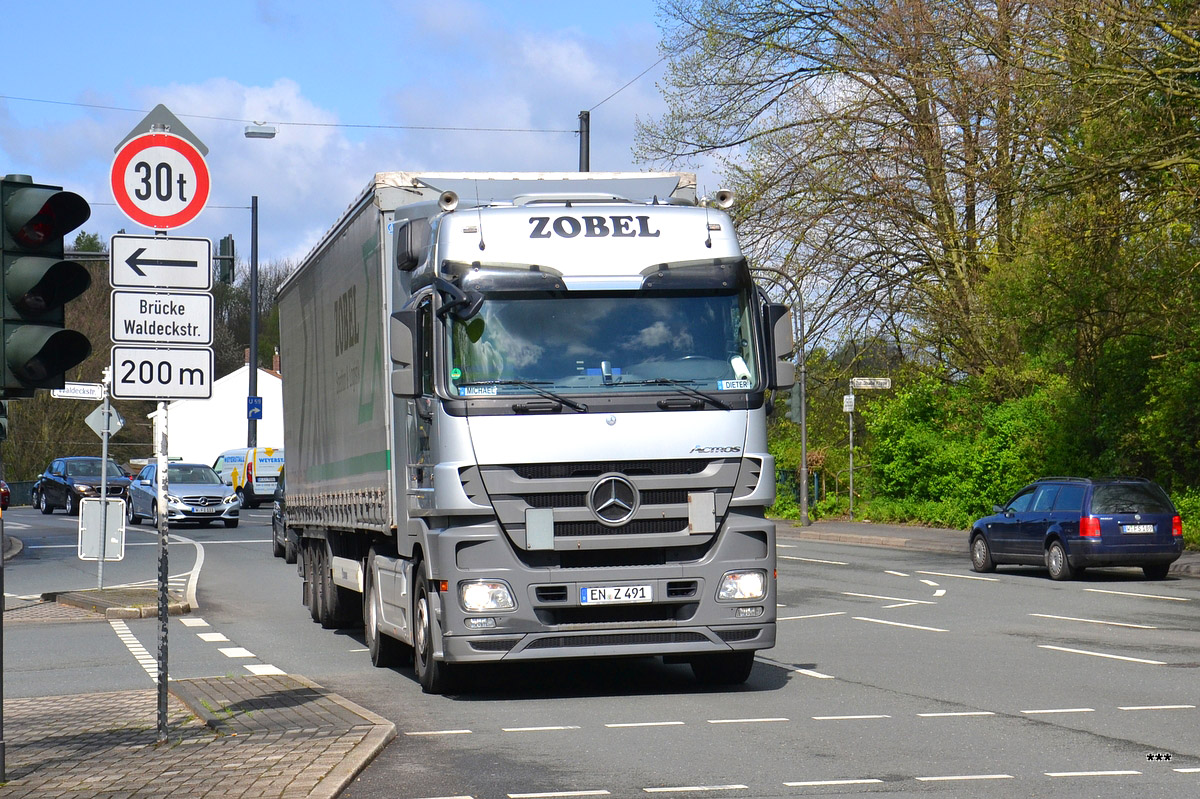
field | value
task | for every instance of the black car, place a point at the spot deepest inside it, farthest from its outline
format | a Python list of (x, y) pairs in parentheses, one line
[(283, 542), (1070, 523), (68, 480)]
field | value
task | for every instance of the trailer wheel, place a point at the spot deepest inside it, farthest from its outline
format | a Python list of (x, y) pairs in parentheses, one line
[(312, 574), (385, 650), (433, 674), (727, 668)]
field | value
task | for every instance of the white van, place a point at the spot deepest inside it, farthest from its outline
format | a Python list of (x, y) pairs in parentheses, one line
[(252, 471)]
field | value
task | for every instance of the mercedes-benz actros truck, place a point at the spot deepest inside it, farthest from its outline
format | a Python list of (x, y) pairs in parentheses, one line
[(525, 419)]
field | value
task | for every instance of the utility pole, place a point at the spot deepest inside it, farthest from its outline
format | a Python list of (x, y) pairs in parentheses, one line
[(585, 141)]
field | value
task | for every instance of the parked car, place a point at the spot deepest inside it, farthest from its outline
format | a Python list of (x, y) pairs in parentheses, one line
[(283, 542), (1071, 523), (4, 495), (68, 480), (253, 471), (194, 494)]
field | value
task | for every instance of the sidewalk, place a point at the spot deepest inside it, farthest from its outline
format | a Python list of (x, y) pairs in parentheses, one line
[(926, 539)]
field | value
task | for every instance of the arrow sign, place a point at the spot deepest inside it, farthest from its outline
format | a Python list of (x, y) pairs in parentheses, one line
[(136, 262), (160, 262)]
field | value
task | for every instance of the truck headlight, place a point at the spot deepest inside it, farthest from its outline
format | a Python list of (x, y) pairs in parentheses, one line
[(743, 585), (484, 595)]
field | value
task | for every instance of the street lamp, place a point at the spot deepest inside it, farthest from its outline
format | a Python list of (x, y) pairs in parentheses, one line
[(255, 131), (781, 275)]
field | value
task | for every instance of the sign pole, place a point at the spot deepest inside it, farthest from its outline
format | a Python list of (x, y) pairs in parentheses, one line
[(104, 484), (851, 417), (160, 441)]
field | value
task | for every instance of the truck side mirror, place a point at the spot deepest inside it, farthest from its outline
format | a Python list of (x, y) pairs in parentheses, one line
[(782, 372), (404, 334)]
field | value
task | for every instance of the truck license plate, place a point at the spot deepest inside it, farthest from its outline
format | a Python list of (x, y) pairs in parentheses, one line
[(610, 594)]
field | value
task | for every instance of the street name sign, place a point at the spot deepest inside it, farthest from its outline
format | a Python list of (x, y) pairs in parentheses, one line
[(142, 317), (162, 373), (159, 262), (870, 382), (88, 391)]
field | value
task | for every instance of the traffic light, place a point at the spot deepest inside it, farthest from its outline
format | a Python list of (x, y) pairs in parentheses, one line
[(794, 404), (35, 284), (225, 259)]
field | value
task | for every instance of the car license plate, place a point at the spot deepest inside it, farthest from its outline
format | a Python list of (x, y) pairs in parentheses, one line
[(1139, 528), (612, 594), (205, 510)]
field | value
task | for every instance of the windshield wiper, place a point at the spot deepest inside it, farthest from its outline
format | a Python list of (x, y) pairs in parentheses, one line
[(536, 388), (684, 385)]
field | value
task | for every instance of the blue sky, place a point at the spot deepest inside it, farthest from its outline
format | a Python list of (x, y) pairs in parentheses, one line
[(452, 63)]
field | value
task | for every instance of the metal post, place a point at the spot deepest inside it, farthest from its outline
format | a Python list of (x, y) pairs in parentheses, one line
[(252, 424), (3, 601), (585, 141), (104, 483), (851, 416), (160, 440)]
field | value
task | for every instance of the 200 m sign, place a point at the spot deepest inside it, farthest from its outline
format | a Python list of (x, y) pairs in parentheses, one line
[(162, 373)]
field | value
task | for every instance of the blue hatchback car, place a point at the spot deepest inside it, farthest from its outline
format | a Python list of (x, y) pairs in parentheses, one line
[(1070, 523)]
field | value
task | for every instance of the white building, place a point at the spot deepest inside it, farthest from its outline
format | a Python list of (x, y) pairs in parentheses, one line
[(200, 430)]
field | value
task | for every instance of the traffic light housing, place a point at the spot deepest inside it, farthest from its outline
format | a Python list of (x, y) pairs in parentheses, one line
[(793, 412), (3, 419), (36, 282), (225, 259)]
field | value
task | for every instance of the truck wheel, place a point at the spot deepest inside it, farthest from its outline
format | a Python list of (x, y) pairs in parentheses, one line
[(433, 674), (340, 605), (312, 571), (385, 650), (727, 668)]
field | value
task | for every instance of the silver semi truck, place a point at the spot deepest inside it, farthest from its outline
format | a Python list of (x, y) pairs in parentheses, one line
[(525, 419)]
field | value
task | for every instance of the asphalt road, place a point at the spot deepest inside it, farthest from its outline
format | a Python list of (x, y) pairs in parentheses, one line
[(896, 671)]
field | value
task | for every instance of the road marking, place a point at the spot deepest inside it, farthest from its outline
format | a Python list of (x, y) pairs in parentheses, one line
[(1102, 655), (956, 714), (899, 605), (440, 732), (211, 637), (815, 560), (966, 777), (890, 598), (1059, 710), (745, 721), (898, 624), (1158, 707), (940, 592), (359, 649), (898, 574), (1188, 770), (235, 652), (820, 783), (849, 718), (555, 794), (189, 622), (1094, 621), (962, 576), (1092, 773), (538, 729), (930, 583), (144, 659), (464, 796), (811, 616), (697, 788), (817, 674), (263, 669), (646, 724), (1142, 596)]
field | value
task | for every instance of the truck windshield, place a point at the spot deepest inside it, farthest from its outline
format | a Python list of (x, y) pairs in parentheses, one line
[(598, 342)]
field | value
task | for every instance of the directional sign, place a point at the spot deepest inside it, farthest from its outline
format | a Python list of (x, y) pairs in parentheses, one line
[(870, 382), (162, 373), (143, 317), (89, 391), (160, 180), (145, 262), (254, 407)]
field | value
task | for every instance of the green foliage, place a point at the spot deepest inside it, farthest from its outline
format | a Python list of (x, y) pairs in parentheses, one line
[(1188, 504), (87, 242)]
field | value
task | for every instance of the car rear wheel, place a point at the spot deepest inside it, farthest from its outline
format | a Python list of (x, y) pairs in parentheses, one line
[(981, 555), (1057, 563), (1158, 571)]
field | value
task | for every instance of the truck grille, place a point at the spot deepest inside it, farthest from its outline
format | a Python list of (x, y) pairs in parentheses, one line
[(632, 639)]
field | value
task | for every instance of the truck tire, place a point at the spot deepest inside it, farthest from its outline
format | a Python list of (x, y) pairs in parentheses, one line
[(726, 668), (384, 650), (312, 573), (339, 605), (433, 674)]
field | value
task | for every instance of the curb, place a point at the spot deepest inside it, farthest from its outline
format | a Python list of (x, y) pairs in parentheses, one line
[(116, 605)]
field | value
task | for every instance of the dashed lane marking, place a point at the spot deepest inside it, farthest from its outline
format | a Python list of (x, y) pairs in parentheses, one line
[(646, 724), (438, 732), (1102, 655), (817, 674), (193, 622), (1095, 621), (264, 669), (823, 783), (966, 777), (815, 560), (930, 583), (746, 721), (1158, 707), (900, 624), (851, 718), (955, 714), (889, 598), (811, 616), (556, 794), (898, 574), (697, 788), (1140, 596), (1051, 711), (540, 729), (235, 652), (962, 576), (212, 638), (1092, 773)]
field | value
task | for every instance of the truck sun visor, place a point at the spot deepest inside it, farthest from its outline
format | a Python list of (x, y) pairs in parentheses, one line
[(712, 273)]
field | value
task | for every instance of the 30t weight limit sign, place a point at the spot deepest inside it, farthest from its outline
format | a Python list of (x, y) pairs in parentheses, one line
[(160, 180), (162, 373)]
